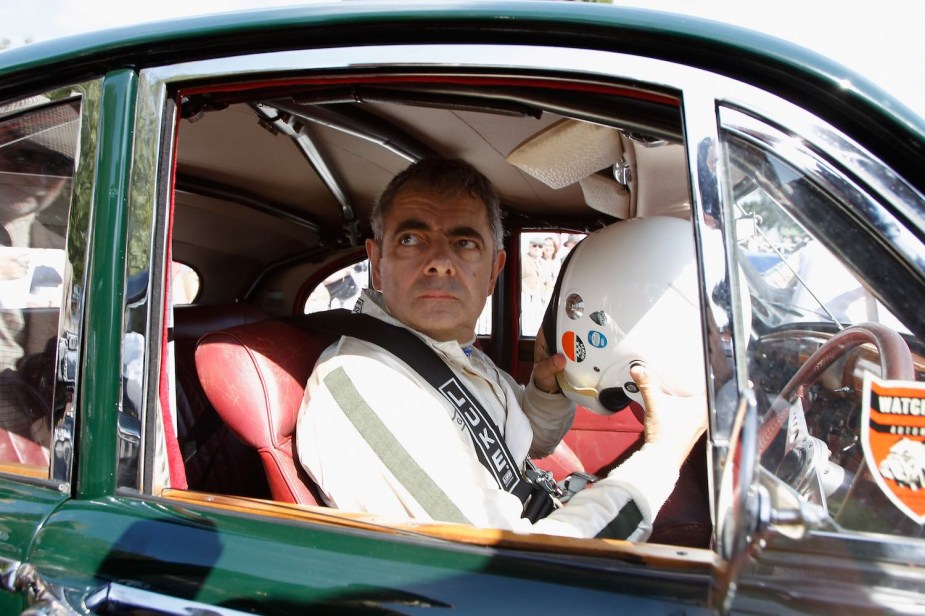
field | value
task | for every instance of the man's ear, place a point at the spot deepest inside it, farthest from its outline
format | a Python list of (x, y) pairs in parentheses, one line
[(372, 251), (496, 267)]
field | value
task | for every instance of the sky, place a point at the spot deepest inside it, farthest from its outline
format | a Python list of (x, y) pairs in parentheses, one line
[(882, 41)]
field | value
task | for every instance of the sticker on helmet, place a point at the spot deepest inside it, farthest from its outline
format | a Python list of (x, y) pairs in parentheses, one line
[(573, 347), (600, 318), (893, 439), (597, 339)]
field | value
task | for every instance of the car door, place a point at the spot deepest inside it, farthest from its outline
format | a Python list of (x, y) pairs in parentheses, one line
[(135, 538)]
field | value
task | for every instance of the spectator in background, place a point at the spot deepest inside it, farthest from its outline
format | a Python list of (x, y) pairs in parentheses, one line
[(549, 267), (530, 272), (567, 246), (32, 177)]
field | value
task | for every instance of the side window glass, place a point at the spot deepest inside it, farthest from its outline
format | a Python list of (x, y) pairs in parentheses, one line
[(541, 258), (339, 290), (37, 150)]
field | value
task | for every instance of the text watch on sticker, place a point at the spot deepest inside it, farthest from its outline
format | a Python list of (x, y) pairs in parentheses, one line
[(893, 439)]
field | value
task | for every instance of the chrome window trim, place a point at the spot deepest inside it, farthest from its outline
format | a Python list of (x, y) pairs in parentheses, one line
[(147, 227), (705, 171)]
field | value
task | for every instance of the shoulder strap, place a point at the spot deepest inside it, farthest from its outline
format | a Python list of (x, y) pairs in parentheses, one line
[(490, 447)]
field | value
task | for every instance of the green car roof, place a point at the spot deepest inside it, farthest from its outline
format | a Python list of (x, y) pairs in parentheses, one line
[(836, 93)]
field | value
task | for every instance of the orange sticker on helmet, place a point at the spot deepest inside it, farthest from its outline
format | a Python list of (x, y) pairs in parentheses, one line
[(568, 345), (573, 347)]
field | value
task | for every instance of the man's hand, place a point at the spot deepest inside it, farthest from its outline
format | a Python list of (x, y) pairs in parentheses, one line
[(545, 368), (673, 421)]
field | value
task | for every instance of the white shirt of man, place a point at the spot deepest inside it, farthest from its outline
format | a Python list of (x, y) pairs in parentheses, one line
[(378, 438)]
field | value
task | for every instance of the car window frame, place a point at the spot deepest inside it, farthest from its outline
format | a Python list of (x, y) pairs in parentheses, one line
[(700, 91), (155, 107)]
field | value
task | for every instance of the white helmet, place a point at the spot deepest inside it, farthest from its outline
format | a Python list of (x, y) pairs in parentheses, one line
[(629, 293)]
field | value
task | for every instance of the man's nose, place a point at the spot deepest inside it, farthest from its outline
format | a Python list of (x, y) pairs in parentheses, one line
[(440, 260)]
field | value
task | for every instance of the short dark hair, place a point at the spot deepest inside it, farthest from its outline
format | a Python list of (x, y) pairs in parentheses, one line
[(447, 177)]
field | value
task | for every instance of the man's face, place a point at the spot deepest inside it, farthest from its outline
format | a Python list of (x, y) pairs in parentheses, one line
[(549, 249), (437, 263)]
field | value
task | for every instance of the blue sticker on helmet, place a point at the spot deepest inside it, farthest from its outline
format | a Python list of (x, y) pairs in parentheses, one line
[(597, 339)]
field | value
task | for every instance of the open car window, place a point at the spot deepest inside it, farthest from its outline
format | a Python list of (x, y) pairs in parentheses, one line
[(254, 264)]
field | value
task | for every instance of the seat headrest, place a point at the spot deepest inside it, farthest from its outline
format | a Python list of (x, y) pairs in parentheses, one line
[(193, 321)]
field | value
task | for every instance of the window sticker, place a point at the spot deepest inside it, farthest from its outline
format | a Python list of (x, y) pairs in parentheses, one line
[(893, 438)]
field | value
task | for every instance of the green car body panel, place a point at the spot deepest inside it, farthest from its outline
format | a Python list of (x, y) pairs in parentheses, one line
[(234, 562)]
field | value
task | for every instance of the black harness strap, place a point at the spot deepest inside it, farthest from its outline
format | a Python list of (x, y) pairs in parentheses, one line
[(490, 447)]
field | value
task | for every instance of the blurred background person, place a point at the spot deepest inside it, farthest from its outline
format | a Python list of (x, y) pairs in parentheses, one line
[(549, 266)]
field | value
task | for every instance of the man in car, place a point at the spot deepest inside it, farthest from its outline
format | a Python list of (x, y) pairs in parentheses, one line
[(378, 438)]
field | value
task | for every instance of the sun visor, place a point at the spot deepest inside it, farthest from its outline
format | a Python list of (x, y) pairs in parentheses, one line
[(606, 195), (567, 152)]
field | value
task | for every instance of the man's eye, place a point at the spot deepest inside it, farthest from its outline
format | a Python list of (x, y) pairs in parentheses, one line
[(467, 244), (409, 240)]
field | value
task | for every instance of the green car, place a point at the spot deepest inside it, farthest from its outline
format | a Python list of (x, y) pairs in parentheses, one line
[(174, 189)]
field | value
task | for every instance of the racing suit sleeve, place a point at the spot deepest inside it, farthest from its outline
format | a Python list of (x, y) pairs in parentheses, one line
[(550, 415), (375, 441)]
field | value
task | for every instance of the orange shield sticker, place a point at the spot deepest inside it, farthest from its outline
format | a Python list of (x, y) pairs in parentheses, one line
[(893, 438)]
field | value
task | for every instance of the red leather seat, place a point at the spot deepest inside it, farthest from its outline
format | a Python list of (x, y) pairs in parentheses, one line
[(255, 377), (214, 459), (18, 449)]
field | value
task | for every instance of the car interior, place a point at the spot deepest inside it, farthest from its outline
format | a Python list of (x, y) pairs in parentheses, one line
[(273, 189)]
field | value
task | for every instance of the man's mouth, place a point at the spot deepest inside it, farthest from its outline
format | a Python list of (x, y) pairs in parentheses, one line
[(438, 296)]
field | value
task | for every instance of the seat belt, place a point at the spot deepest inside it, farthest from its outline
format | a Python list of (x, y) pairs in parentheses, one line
[(535, 488)]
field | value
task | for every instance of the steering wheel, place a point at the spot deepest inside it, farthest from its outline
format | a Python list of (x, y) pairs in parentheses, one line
[(895, 364)]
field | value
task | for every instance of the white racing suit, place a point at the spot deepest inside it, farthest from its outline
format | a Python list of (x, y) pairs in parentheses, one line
[(378, 438)]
